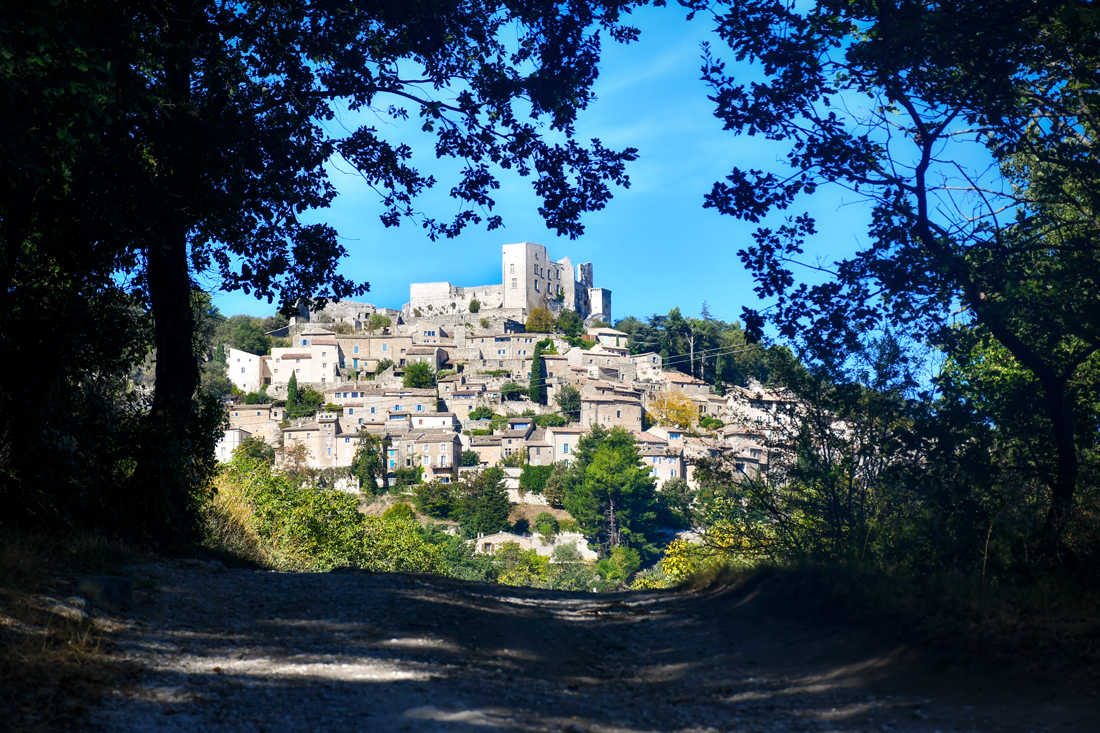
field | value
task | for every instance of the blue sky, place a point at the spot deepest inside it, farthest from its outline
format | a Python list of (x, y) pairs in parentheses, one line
[(654, 245)]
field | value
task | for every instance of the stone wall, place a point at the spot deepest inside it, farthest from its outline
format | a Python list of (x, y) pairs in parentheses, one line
[(443, 298)]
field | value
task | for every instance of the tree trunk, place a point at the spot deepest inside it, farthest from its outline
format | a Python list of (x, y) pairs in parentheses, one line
[(160, 480)]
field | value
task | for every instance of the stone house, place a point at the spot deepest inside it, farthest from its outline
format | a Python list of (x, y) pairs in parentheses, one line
[(262, 421), (507, 346), (611, 411), (314, 358), (327, 446), (563, 442), (663, 464), (231, 439), (426, 333), (361, 353), (608, 337), (673, 381), (488, 449), (433, 356), (245, 370)]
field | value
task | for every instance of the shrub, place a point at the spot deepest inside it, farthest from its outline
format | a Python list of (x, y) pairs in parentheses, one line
[(280, 524), (407, 476), (400, 512), (475, 305), (511, 391), (435, 499), (481, 413), (533, 478), (546, 524), (469, 458)]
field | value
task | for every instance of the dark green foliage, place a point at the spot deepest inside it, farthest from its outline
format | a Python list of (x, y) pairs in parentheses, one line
[(710, 423), (258, 398), (408, 476), (418, 375), (952, 244), (292, 393), (520, 527), (248, 336), (554, 489), (308, 402), (570, 323), (511, 391), (475, 305), (546, 524), (255, 449), (369, 464), (536, 389), (435, 499), (551, 421), (469, 458), (108, 191), (533, 478), (674, 500), (569, 401), (609, 492), (482, 506), (214, 379), (481, 413), (383, 365)]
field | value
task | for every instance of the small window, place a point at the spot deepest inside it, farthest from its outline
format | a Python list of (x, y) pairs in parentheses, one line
[(351, 410), (512, 269), (355, 349), (420, 408), (565, 448), (242, 368), (385, 347), (257, 413)]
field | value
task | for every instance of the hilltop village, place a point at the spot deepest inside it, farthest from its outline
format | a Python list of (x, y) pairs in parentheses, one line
[(474, 350)]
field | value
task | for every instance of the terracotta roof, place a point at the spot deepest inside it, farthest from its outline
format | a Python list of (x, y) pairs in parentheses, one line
[(324, 342), (296, 356)]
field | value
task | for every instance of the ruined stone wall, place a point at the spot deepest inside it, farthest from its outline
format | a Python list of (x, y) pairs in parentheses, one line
[(437, 299)]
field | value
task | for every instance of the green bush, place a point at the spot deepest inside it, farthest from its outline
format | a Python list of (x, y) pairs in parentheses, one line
[(546, 524), (435, 499), (407, 476), (400, 512), (469, 458), (308, 529), (533, 478), (481, 413)]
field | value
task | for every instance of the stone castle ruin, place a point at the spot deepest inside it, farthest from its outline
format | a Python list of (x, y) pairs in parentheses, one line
[(529, 280)]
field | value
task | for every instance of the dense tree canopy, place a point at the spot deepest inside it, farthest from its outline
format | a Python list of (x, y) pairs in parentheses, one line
[(147, 145), (970, 128)]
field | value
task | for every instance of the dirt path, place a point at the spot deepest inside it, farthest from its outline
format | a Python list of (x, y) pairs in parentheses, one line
[(264, 651)]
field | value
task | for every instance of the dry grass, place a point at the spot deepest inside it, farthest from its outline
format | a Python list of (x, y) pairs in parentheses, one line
[(1059, 623), (230, 531), (51, 667)]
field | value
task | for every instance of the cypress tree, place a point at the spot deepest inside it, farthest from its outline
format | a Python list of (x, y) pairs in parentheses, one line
[(537, 389), (291, 394)]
